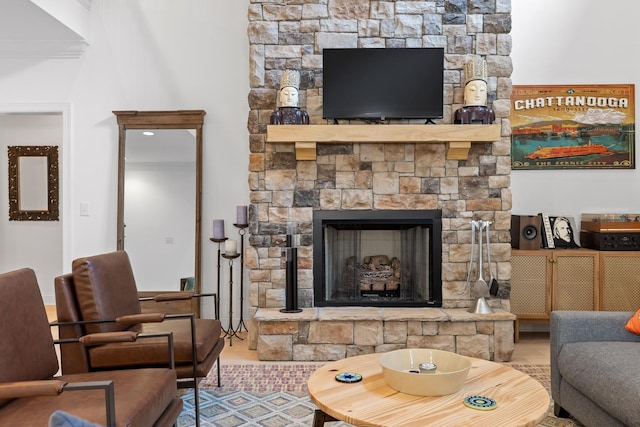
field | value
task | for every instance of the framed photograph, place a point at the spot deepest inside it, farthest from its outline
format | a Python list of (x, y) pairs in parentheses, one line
[(573, 127), (559, 232)]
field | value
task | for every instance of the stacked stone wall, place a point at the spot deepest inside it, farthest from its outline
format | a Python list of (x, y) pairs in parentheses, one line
[(331, 333), (284, 192)]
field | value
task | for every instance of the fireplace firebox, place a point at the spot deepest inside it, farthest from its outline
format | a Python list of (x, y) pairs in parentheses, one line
[(377, 258)]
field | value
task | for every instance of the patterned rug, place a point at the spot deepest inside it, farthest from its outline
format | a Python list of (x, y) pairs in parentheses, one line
[(275, 395)]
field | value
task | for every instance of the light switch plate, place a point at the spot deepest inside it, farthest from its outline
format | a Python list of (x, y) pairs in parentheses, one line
[(84, 208)]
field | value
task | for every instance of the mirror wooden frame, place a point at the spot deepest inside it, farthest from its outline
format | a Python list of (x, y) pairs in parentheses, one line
[(178, 119), (51, 153)]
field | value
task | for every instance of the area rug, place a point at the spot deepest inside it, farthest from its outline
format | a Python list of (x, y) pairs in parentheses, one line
[(275, 395)]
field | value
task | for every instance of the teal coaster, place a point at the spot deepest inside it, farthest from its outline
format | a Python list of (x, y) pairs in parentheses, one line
[(348, 377), (480, 402)]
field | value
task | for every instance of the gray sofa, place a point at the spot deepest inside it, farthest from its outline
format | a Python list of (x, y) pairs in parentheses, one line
[(595, 368)]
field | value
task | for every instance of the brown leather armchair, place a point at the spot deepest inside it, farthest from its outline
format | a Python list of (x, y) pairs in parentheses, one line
[(102, 288), (30, 392)]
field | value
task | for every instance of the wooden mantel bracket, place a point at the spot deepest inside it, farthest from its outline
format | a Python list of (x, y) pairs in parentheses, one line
[(305, 150), (458, 150), (457, 137)]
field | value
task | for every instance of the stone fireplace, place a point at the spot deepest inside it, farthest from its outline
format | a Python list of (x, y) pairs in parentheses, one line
[(377, 258), (366, 175)]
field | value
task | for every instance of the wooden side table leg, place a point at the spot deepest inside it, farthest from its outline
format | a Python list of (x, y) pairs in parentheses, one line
[(516, 330), (319, 418)]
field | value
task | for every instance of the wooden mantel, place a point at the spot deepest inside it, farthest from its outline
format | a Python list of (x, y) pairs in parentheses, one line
[(457, 137)]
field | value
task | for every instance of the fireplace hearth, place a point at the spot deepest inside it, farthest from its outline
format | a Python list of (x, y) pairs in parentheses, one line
[(377, 258)]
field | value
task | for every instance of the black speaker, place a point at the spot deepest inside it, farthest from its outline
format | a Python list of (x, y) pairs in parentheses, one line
[(526, 231)]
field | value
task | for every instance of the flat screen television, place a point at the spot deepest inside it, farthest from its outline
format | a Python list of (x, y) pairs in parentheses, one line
[(383, 83)]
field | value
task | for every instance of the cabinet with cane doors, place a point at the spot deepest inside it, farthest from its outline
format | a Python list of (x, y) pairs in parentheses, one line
[(619, 280), (552, 279)]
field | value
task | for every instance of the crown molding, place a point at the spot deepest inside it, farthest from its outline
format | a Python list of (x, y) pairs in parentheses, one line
[(49, 49)]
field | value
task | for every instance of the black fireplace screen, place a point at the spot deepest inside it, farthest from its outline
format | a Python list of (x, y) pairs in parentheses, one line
[(377, 258)]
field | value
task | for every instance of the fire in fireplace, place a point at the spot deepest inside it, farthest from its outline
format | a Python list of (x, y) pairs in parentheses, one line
[(377, 258)]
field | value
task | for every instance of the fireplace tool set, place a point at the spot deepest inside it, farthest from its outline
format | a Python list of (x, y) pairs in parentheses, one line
[(481, 289)]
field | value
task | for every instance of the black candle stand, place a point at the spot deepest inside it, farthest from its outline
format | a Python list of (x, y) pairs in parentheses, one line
[(230, 332), (217, 307), (241, 231)]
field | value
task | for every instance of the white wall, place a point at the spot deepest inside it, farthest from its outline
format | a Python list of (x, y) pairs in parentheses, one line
[(147, 55), (581, 42), (34, 244)]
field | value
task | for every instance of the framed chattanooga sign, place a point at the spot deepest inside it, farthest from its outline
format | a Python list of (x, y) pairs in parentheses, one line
[(573, 127)]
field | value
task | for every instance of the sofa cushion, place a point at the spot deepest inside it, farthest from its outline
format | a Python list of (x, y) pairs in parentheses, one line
[(633, 325), (106, 289), (148, 352), (142, 396), (607, 373), (64, 419), (27, 351)]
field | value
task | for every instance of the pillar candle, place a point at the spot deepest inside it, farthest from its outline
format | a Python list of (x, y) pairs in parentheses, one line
[(241, 215), (230, 247), (218, 228)]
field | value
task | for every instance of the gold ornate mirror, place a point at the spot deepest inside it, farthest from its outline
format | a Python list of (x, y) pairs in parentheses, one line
[(33, 183), (159, 197)]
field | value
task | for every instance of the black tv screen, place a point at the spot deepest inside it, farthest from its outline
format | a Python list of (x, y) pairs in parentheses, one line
[(381, 84)]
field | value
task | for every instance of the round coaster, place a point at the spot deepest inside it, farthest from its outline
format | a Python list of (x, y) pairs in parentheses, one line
[(348, 377), (480, 402)]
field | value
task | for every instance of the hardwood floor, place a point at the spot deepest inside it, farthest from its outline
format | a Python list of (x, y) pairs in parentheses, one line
[(533, 348)]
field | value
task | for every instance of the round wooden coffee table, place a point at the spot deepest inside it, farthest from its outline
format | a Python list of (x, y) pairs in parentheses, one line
[(521, 400)]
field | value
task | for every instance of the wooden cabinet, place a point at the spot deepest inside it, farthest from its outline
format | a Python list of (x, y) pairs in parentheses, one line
[(546, 280), (530, 273), (619, 280)]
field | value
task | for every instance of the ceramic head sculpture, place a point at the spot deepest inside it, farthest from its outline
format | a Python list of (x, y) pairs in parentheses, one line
[(288, 113), (475, 86), (289, 86), (475, 110)]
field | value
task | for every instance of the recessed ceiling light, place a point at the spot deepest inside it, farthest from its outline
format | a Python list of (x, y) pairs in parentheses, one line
[(148, 133)]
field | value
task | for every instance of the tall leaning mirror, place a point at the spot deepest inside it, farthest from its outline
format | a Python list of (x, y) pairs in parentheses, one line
[(159, 200)]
